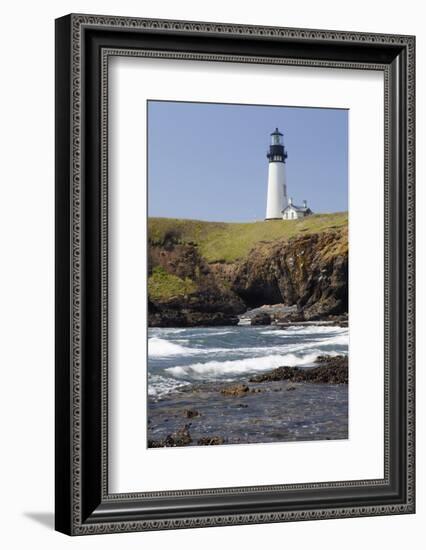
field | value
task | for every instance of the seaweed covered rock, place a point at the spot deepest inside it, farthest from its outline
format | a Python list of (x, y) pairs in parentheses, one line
[(235, 391), (331, 370)]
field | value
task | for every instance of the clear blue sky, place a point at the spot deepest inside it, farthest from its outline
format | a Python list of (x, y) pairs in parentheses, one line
[(208, 161)]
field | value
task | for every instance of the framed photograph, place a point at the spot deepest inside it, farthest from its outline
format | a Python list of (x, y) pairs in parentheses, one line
[(234, 274)]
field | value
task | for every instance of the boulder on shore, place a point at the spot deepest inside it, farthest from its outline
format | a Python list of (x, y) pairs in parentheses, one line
[(294, 316), (191, 413), (181, 438), (261, 319), (214, 440), (235, 391)]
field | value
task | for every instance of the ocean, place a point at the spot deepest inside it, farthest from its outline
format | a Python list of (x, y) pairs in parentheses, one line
[(182, 356)]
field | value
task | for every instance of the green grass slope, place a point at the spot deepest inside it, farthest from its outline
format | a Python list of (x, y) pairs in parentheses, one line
[(163, 286), (227, 242)]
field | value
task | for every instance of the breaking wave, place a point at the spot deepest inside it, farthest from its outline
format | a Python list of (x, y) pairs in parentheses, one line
[(215, 369), (180, 357), (158, 347)]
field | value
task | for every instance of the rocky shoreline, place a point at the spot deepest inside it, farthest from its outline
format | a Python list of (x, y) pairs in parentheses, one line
[(284, 404), (332, 370), (279, 315)]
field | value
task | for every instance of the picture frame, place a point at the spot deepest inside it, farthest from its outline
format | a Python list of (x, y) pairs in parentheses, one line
[(84, 504)]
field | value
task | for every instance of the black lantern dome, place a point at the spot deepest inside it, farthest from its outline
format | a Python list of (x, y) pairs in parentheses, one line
[(277, 152)]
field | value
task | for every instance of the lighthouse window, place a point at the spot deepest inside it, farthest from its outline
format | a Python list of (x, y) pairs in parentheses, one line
[(276, 139)]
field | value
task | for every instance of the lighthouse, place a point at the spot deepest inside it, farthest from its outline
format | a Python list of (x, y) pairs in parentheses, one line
[(277, 186)]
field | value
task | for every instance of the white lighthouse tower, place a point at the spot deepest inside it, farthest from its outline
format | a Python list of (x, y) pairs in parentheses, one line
[(277, 185)]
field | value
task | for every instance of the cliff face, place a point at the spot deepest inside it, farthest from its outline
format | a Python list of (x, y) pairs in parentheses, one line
[(183, 291), (309, 271)]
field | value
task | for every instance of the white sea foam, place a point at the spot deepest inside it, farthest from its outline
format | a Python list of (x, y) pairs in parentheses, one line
[(217, 333), (156, 331), (159, 386), (215, 369), (306, 330), (158, 347), (316, 328), (337, 340)]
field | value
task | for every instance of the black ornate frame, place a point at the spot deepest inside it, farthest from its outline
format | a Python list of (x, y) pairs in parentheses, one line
[(83, 45)]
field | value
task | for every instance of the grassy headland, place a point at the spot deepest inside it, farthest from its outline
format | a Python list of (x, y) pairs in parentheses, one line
[(228, 242), (208, 273)]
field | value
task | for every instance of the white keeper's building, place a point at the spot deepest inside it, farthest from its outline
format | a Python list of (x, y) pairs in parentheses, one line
[(293, 212), (278, 206)]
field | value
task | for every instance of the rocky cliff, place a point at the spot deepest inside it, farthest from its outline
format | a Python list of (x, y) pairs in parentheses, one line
[(307, 269), (184, 291)]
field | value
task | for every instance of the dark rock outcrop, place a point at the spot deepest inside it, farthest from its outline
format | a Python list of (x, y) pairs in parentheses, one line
[(290, 317), (167, 317), (261, 319), (235, 391), (181, 438), (190, 413), (310, 272), (331, 370), (209, 304), (215, 440)]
